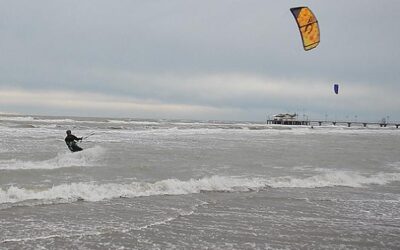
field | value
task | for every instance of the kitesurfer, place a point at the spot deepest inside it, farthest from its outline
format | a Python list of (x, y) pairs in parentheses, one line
[(71, 140)]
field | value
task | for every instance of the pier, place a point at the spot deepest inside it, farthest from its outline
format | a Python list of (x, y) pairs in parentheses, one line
[(334, 123), (291, 119)]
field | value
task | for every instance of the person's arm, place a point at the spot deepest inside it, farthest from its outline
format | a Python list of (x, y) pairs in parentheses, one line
[(76, 138)]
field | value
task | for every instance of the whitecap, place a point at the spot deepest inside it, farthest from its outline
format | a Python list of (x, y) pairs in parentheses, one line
[(87, 157), (96, 192)]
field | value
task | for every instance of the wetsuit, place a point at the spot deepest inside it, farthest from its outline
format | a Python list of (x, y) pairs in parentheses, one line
[(70, 140)]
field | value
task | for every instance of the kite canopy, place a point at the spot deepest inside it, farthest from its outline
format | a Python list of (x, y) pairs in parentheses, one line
[(308, 26), (336, 88)]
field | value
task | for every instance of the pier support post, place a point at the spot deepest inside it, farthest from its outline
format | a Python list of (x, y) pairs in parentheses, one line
[(320, 123), (365, 124), (349, 124), (334, 123)]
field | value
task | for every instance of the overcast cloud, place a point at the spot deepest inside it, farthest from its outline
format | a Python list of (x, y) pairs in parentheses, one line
[(208, 59)]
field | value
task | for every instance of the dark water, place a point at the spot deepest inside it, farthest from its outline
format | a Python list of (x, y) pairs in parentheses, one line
[(160, 184)]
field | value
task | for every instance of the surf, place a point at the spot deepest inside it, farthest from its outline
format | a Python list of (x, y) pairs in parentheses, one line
[(92, 192), (88, 157)]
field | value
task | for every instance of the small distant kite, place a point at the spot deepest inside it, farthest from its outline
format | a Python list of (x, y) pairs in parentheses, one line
[(336, 88), (308, 26)]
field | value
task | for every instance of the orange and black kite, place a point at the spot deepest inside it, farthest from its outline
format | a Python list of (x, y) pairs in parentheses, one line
[(308, 26)]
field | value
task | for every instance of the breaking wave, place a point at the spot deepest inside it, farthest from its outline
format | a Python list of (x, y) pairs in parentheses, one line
[(336, 178), (79, 159), (34, 119), (65, 193)]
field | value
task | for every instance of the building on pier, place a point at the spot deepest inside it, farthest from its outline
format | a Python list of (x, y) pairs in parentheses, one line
[(287, 119)]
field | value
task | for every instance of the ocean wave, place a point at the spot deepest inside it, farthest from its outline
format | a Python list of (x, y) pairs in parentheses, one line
[(395, 165), (72, 192), (16, 118), (144, 122), (34, 119), (335, 178), (84, 158), (23, 126)]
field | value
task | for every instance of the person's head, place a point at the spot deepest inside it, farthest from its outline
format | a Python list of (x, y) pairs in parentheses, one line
[(68, 132)]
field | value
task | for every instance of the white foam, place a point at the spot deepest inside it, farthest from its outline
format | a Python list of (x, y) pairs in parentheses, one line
[(84, 158), (55, 120), (34, 119), (16, 118), (96, 192), (335, 178), (134, 122)]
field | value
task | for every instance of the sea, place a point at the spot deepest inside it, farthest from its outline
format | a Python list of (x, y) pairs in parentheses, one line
[(183, 184)]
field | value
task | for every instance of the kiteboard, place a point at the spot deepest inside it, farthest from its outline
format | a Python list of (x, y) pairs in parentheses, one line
[(73, 147)]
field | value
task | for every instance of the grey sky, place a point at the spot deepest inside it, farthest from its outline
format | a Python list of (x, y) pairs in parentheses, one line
[(224, 59)]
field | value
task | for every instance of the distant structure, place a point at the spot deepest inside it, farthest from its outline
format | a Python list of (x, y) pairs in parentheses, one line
[(291, 119), (287, 119)]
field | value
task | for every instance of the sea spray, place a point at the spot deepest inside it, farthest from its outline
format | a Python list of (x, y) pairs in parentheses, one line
[(65, 159)]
